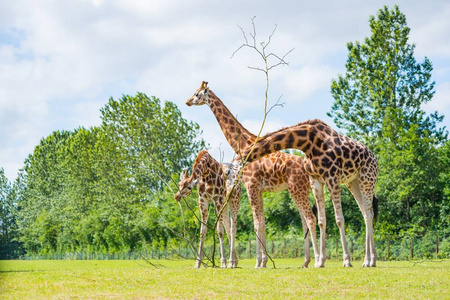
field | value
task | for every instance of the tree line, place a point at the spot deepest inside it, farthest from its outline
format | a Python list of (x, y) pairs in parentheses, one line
[(109, 189)]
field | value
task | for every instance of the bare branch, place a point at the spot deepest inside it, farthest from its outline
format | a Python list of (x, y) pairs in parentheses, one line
[(270, 36), (277, 104), (258, 69)]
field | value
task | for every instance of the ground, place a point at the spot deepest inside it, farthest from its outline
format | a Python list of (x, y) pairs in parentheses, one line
[(178, 279)]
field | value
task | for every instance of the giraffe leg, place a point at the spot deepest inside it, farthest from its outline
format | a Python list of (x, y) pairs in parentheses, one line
[(203, 205), (306, 242), (220, 225), (364, 200), (227, 226), (259, 221), (317, 189), (234, 208), (335, 192), (299, 193)]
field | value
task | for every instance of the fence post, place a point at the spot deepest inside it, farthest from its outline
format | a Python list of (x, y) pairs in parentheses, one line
[(337, 246), (388, 249), (437, 245), (351, 248)]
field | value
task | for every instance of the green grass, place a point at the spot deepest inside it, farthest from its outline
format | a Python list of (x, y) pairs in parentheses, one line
[(137, 279)]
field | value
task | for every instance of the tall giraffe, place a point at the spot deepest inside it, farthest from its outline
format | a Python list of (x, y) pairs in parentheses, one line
[(272, 173), (332, 159), (215, 182)]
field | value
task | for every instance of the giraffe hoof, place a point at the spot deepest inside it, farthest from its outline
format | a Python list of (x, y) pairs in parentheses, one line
[(232, 264), (348, 265), (319, 265)]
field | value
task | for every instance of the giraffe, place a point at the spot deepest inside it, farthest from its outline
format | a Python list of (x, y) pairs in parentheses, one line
[(276, 172), (215, 182), (332, 159)]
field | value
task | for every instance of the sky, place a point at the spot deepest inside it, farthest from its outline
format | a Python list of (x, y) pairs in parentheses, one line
[(61, 60)]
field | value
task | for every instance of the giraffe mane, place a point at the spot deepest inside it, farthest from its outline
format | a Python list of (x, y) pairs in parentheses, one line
[(307, 122), (199, 157)]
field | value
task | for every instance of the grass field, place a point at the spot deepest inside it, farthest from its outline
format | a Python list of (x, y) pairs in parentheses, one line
[(178, 279)]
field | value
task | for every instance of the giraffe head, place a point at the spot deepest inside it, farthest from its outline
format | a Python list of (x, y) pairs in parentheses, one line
[(231, 173), (185, 186), (201, 96)]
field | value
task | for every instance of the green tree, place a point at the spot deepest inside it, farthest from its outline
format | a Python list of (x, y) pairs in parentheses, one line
[(156, 141), (382, 79), (99, 189), (378, 101), (9, 246)]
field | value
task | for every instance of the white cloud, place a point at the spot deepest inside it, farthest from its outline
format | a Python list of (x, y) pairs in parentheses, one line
[(441, 99), (432, 32), (301, 83)]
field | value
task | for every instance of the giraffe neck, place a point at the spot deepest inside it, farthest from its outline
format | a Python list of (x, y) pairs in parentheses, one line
[(237, 136), (303, 137)]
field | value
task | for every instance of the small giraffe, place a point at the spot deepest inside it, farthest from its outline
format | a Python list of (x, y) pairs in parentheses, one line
[(215, 182), (275, 172), (332, 159)]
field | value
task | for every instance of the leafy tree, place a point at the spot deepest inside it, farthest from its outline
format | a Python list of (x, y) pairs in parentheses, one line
[(378, 101), (444, 177), (9, 246), (100, 189), (383, 78), (155, 140)]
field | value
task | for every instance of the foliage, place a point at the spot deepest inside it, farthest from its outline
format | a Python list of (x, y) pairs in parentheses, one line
[(383, 78), (379, 101), (102, 189), (9, 246)]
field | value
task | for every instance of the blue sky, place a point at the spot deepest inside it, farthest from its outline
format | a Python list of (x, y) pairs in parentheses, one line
[(60, 61)]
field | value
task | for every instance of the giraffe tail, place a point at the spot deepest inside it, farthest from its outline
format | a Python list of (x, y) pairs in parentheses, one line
[(314, 209), (375, 208)]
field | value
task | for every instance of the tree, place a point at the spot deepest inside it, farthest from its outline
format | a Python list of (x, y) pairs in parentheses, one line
[(96, 189), (9, 247), (383, 78), (155, 140), (378, 101)]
